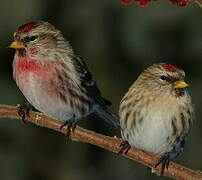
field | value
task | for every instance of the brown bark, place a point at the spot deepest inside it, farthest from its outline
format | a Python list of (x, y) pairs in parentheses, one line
[(175, 171)]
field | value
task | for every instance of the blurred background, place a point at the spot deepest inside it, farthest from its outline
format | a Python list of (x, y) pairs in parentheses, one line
[(117, 42)]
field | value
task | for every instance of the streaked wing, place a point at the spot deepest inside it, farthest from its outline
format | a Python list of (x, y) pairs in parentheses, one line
[(88, 82)]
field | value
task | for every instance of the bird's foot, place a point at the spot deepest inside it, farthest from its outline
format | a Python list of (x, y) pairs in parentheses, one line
[(71, 125), (164, 160), (23, 110), (125, 146)]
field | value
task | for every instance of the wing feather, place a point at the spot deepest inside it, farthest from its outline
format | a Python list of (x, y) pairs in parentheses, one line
[(88, 82)]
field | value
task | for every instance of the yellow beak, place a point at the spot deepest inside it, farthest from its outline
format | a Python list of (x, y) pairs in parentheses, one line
[(17, 45), (180, 84)]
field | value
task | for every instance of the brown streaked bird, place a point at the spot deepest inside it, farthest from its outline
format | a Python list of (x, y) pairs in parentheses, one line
[(53, 79), (156, 113)]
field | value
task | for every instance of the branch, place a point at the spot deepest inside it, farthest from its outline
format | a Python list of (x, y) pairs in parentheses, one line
[(175, 171)]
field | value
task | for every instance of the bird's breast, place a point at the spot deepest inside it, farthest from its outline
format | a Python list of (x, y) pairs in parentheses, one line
[(159, 124), (26, 65), (34, 79), (49, 88)]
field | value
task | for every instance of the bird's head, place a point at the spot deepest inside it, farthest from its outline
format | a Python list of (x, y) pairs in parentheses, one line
[(164, 78), (36, 37)]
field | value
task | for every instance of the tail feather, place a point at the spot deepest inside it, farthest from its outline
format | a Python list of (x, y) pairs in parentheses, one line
[(110, 118)]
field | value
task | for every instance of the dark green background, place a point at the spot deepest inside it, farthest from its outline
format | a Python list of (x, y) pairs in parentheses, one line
[(117, 42)]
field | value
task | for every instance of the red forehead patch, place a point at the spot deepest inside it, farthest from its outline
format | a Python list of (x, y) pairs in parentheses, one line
[(171, 68), (26, 27)]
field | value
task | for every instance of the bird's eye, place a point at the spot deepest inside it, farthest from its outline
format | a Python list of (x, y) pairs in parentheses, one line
[(30, 38), (163, 77)]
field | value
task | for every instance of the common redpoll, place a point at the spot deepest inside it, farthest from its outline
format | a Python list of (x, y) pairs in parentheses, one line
[(156, 113), (52, 78)]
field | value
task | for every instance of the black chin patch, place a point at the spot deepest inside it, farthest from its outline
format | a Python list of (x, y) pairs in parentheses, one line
[(180, 92), (21, 52)]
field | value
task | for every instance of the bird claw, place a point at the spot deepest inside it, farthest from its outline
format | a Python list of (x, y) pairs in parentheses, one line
[(23, 110), (71, 125), (164, 160), (125, 146)]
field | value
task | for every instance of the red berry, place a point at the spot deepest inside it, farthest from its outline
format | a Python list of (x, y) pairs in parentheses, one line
[(142, 2), (126, 2)]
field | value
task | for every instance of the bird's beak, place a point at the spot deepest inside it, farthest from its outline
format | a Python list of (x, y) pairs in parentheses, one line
[(180, 84), (17, 45)]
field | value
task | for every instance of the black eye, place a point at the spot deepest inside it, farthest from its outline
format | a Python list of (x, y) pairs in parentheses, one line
[(30, 38), (163, 78)]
